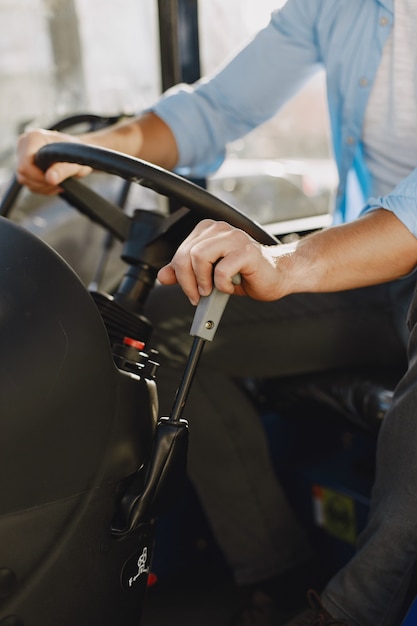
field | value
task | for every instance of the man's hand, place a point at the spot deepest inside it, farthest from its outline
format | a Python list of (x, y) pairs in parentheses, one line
[(215, 252), (375, 248), (30, 175)]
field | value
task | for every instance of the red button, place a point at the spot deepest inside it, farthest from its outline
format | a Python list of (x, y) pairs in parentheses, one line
[(134, 343)]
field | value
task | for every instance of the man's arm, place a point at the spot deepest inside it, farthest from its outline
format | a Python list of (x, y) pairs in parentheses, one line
[(201, 119), (373, 249), (146, 137)]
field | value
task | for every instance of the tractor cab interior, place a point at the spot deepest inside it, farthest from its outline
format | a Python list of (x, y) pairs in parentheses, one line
[(97, 256)]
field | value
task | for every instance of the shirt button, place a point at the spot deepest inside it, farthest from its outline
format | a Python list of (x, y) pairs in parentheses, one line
[(350, 140), (383, 21), (363, 82)]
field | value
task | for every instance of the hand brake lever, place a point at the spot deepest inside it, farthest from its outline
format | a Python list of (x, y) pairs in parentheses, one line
[(166, 470), (205, 323)]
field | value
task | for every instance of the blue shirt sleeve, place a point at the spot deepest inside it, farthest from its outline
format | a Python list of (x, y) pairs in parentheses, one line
[(402, 201), (245, 92)]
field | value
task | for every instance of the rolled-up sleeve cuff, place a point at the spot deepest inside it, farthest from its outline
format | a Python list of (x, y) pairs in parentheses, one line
[(402, 201), (185, 122)]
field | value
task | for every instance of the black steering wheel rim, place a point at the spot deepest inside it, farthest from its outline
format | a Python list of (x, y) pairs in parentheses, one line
[(162, 181)]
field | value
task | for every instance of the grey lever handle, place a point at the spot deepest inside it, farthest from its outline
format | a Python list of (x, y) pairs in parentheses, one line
[(209, 312)]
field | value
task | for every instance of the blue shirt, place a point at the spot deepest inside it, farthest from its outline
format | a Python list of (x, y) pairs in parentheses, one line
[(346, 38)]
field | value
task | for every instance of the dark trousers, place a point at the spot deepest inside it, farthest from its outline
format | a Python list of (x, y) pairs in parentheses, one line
[(372, 587), (229, 461)]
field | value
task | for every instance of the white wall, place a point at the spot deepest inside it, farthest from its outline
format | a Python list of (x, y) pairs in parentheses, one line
[(119, 49), (25, 65)]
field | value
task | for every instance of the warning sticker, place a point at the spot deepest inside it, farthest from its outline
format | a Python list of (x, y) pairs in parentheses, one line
[(335, 512)]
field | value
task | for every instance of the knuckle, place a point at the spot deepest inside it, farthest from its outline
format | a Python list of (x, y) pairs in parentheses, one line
[(222, 277), (197, 253), (179, 263), (204, 225)]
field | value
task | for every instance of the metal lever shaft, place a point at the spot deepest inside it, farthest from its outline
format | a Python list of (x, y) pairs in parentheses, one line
[(205, 323)]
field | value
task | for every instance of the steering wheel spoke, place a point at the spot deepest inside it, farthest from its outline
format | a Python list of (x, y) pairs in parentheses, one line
[(96, 207)]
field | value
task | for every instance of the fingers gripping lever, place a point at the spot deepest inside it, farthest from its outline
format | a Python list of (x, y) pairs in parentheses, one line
[(150, 496)]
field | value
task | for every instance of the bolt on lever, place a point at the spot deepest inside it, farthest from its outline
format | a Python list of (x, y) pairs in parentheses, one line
[(205, 323)]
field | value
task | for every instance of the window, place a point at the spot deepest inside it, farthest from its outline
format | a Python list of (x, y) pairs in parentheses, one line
[(288, 169), (60, 57)]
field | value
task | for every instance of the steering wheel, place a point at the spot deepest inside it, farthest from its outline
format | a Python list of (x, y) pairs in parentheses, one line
[(170, 444), (166, 183)]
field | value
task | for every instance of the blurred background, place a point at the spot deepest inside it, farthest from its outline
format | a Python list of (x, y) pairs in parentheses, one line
[(59, 58)]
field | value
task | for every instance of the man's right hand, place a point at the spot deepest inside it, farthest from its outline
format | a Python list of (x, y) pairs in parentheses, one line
[(31, 176)]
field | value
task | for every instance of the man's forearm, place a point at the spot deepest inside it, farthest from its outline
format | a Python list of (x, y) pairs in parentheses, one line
[(374, 249), (146, 137)]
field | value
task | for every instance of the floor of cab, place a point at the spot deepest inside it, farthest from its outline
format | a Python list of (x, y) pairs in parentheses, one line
[(210, 602)]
